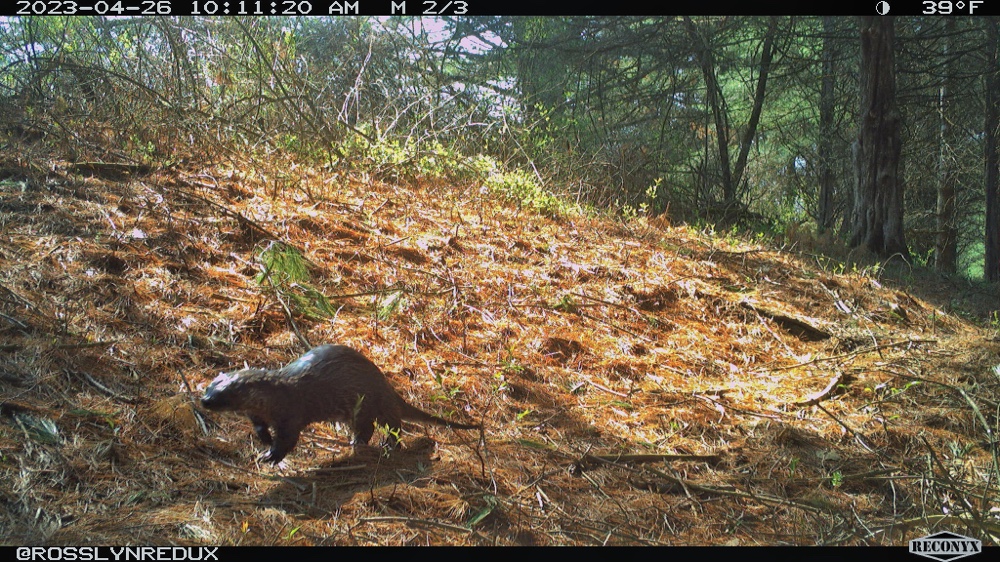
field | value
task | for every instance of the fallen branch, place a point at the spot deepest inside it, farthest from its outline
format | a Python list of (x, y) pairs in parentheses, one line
[(814, 399), (589, 460), (798, 326), (851, 354), (415, 521), (101, 387)]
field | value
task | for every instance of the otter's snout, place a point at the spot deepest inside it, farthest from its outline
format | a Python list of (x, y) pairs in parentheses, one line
[(216, 395), (208, 401)]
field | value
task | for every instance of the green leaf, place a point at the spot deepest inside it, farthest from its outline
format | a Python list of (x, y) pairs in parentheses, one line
[(491, 503)]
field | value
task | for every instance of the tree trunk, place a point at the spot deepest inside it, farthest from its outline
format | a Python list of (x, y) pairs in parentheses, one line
[(731, 176), (945, 248), (826, 108), (878, 190), (991, 268), (717, 103), (766, 56)]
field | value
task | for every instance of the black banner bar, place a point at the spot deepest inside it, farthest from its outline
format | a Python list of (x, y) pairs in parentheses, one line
[(321, 554), (937, 8)]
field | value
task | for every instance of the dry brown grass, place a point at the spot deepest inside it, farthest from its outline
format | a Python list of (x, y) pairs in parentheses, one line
[(570, 338)]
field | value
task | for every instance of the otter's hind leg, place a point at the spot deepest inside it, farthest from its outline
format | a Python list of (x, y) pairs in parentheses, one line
[(363, 429), (362, 421)]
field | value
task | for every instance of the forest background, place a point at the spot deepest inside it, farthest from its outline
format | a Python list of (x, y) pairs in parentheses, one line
[(745, 121), (704, 280)]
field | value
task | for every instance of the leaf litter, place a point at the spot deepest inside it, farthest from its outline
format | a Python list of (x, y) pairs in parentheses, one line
[(639, 383)]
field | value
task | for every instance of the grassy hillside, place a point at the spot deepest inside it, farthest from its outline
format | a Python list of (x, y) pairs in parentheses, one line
[(639, 383)]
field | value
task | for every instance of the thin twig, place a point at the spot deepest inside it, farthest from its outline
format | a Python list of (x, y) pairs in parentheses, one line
[(877, 347)]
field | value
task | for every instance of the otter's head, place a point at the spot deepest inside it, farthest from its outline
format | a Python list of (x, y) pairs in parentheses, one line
[(222, 393)]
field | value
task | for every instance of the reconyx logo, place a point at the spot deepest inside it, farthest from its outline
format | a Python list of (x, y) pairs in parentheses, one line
[(945, 546)]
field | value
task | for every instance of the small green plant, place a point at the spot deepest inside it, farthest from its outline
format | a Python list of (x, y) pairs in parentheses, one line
[(566, 305), (491, 503), (910, 384), (389, 305), (282, 264), (792, 465), (959, 450), (923, 260), (995, 320), (447, 393), (501, 382), (510, 365), (287, 142), (836, 479), (395, 158), (523, 414), (522, 187), (107, 418), (648, 204), (480, 167), (629, 213), (286, 272), (389, 435), (41, 430), (146, 150)]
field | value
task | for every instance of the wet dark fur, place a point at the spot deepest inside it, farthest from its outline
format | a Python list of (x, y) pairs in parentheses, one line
[(329, 383)]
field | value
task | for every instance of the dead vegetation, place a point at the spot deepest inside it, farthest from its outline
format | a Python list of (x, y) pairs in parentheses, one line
[(639, 383)]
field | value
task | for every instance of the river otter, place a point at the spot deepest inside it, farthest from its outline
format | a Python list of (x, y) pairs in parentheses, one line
[(331, 383)]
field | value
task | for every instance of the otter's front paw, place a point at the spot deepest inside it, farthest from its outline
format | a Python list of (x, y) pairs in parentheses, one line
[(272, 457)]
